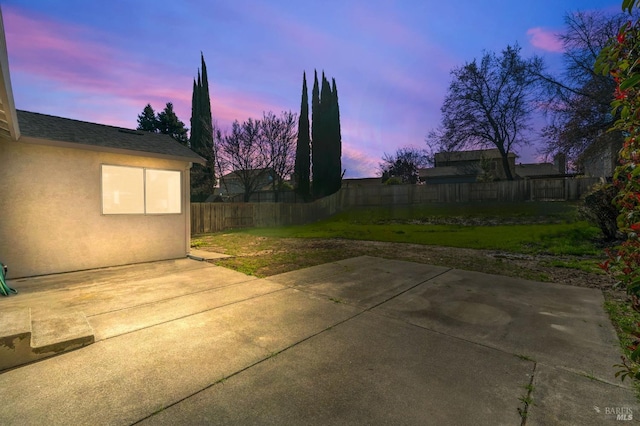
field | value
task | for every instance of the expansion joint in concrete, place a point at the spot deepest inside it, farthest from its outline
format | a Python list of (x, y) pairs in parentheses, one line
[(527, 399)]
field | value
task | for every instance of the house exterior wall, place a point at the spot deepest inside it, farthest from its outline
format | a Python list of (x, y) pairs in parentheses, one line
[(603, 163), (232, 185), (466, 166), (51, 213)]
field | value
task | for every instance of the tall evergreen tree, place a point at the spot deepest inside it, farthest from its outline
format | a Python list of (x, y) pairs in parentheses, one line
[(205, 104), (326, 141), (325, 124), (316, 142), (303, 153), (336, 137), (147, 120), (195, 102), (201, 141)]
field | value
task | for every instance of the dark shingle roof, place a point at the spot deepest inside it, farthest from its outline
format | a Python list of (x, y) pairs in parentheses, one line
[(43, 126), (541, 169), (472, 155)]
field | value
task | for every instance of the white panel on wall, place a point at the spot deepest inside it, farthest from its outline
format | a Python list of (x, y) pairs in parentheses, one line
[(163, 191), (122, 190)]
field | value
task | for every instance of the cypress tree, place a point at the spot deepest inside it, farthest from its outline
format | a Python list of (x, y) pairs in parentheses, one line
[(325, 125), (302, 165), (316, 142), (326, 143), (337, 140), (205, 105), (195, 115), (201, 141)]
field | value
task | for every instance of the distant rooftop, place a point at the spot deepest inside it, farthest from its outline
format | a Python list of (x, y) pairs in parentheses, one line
[(42, 126), (473, 155), (532, 170), (434, 172)]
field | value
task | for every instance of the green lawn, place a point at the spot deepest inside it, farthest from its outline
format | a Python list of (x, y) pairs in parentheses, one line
[(550, 228)]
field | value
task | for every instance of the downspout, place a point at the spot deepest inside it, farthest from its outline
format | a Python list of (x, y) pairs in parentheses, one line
[(186, 199)]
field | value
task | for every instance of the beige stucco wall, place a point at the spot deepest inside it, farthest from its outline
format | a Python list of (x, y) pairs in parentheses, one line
[(51, 218)]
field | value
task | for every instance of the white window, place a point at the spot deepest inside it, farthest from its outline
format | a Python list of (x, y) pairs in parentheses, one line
[(162, 194), (135, 190)]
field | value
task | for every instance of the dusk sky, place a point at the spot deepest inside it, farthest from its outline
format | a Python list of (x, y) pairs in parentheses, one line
[(104, 61)]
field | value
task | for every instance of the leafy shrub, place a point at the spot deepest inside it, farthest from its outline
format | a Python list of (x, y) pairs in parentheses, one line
[(630, 366), (394, 180), (599, 210), (620, 59)]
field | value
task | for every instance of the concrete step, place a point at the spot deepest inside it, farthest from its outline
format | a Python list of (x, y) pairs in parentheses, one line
[(203, 255), (25, 339)]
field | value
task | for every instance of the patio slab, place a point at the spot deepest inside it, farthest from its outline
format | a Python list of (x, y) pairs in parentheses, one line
[(533, 319), (364, 340), (363, 281), (369, 370), (125, 378)]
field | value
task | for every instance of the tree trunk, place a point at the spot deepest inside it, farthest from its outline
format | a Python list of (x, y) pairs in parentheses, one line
[(505, 165)]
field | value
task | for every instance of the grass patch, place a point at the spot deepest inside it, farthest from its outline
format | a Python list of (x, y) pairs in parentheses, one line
[(558, 238), (586, 265), (408, 232), (196, 243), (288, 254), (525, 357), (624, 318), (515, 212)]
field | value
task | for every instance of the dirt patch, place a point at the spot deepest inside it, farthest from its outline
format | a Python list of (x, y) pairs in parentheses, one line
[(286, 254)]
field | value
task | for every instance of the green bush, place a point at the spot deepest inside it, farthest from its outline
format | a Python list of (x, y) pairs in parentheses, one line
[(599, 210), (394, 180)]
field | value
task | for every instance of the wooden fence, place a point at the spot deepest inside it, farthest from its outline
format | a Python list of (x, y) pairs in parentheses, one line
[(214, 217)]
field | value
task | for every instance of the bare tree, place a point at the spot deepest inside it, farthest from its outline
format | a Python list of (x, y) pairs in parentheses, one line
[(255, 152), (244, 154), (489, 104), (578, 104), (404, 164), (279, 136)]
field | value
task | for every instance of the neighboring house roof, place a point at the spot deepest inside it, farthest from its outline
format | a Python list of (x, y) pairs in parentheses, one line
[(531, 170), (102, 137), (444, 171), (472, 155), (251, 172), (361, 181), (259, 180)]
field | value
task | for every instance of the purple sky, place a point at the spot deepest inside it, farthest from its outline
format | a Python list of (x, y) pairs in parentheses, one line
[(104, 61)]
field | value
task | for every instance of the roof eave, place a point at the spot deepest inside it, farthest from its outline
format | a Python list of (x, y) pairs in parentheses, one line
[(63, 144)]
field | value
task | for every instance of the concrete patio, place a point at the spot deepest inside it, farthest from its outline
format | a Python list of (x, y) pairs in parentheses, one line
[(360, 341)]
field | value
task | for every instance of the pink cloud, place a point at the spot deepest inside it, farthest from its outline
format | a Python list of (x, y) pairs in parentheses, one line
[(228, 105), (545, 39), (104, 84), (67, 59), (358, 163)]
